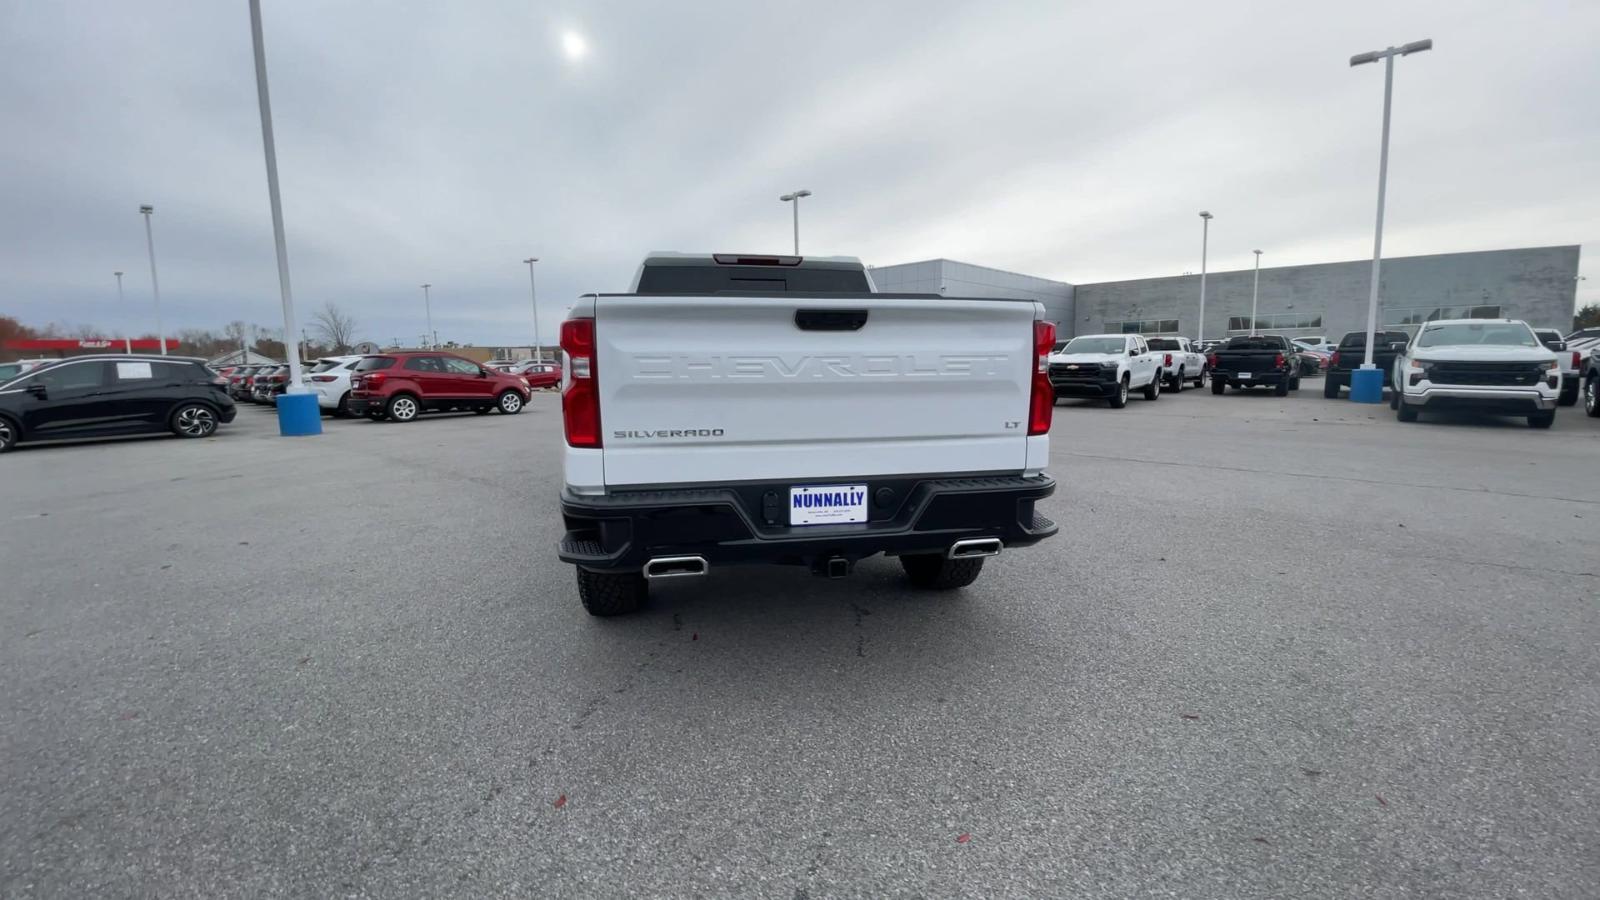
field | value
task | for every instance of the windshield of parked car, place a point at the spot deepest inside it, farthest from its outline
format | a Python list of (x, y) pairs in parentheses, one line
[(1164, 344), (1497, 334), (1095, 345)]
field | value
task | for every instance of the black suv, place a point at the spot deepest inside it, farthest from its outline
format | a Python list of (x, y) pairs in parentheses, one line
[(104, 396)]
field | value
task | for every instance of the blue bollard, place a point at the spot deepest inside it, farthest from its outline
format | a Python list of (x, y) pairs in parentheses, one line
[(1366, 385), (299, 415)]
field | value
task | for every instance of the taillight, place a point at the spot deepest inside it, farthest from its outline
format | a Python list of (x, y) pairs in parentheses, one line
[(580, 402), (322, 378), (1042, 399), (1278, 362), (1211, 360), (374, 381), (1167, 361), (1577, 359), (1333, 359)]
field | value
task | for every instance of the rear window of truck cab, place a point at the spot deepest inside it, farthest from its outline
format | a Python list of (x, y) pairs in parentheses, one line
[(697, 280), (1259, 342)]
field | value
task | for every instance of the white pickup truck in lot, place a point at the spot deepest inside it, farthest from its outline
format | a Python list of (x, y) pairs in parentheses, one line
[(1489, 365), (1180, 362), (1106, 367), (776, 409)]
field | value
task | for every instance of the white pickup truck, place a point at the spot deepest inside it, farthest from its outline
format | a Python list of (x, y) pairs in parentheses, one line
[(776, 409), (1489, 365), (1106, 367), (1180, 362)]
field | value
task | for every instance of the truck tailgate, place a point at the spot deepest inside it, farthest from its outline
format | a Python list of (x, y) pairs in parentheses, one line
[(730, 388)]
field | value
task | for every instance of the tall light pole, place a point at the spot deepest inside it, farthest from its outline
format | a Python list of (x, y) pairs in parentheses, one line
[(1205, 235), (427, 307), (1255, 292), (155, 283), (533, 292), (795, 199), (127, 339), (1366, 394)]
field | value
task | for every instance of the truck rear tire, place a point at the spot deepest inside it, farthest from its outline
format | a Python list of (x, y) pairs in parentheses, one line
[(1200, 380), (1177, 383), (1542, 419), (1218, 386), (1282, 387), (1569, 395), (611, 593), (935, 572), (1120, 398), (1591, 396), (1153, 389), (1330, 387)]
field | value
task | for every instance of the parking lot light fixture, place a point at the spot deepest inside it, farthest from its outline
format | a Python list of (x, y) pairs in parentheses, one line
[(155, 283), (427, 308), (1255, 292), (1369, 388), (1205, 234), (795, 199), (533, 291), (298, 411)]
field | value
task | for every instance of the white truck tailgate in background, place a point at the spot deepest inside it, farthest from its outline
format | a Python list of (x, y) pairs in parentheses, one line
[(717, 389)]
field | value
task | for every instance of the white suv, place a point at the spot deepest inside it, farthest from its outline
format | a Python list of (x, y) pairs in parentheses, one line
[(329, 379), (1491, 365)]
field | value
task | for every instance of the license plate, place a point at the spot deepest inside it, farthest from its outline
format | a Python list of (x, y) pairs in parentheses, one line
[(1243, 375), (827, 504)]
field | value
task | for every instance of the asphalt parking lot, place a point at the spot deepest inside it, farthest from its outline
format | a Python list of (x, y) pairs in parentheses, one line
[(1281, 648)]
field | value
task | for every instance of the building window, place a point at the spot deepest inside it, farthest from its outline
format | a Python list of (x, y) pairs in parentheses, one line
[(1280, 322), (1407, 318), (1143, 326)]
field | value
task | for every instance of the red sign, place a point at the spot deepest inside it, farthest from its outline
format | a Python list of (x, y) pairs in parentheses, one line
[(91, 344)]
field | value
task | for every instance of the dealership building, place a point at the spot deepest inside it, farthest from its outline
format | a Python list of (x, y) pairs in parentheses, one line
[(1537, 284)]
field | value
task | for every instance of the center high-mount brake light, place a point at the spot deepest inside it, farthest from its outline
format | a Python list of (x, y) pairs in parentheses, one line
[(1042, 398), (580, 402), (734, 259)]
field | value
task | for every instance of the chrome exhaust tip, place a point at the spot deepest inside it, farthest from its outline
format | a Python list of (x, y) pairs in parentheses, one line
[(972, 548), (676, 567)]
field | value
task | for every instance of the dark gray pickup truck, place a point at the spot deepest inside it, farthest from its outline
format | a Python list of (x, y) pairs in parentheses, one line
[(1262, 359), (1352, 352)]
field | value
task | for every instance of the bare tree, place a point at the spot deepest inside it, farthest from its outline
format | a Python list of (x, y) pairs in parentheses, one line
[(334, 326)]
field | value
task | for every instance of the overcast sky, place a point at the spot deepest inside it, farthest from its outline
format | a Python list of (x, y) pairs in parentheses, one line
[(445, 142)]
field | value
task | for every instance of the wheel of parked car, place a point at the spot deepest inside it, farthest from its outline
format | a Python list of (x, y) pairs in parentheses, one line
[(1282, 387), (403, 407), (1394, 398), (343, 408), (8, 434), (1330, 387), (1542, 419), (1294, 384), (1200, 381), (1153, 389), (1591, 396), (510, 402), (1569, 396), (612, 594), (1404, 411), (1177, 383), (193, 420), (1218, 387), (933, 570), (1120, 398)]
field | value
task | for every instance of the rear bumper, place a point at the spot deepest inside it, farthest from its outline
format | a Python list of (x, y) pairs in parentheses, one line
[(748, 523), (1513, 401), (1232, 378)]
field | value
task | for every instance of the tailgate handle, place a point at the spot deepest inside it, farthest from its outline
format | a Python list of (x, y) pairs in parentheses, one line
[(830, 319)]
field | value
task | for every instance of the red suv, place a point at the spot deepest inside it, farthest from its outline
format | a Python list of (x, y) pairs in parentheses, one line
[(401, 386)]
